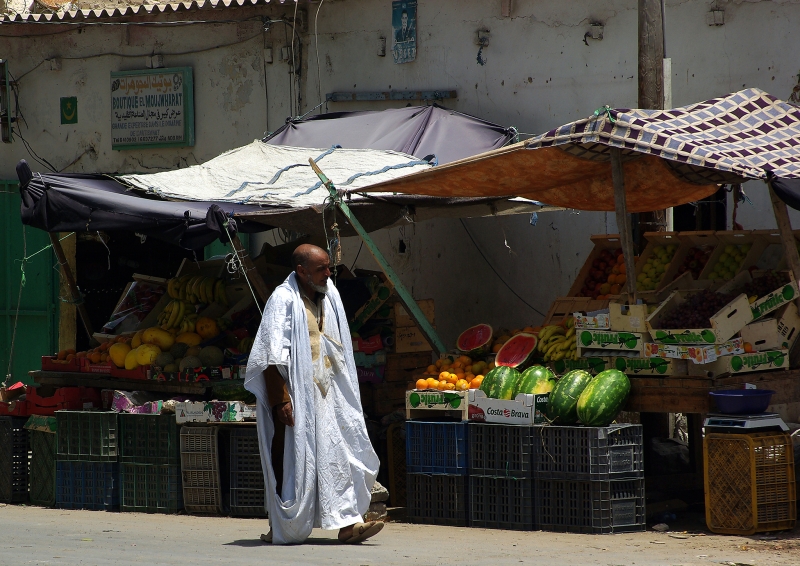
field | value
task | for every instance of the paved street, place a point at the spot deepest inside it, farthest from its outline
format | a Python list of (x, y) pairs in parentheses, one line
[(33, 535)]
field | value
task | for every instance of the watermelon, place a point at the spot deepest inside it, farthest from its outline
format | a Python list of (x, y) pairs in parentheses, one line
[(517, 351), (564, 397), (502, 383), (603, 398), (536, 380), (476, 341)]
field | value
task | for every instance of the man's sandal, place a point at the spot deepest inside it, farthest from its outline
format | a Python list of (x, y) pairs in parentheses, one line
[(363, 531), (267, 537)]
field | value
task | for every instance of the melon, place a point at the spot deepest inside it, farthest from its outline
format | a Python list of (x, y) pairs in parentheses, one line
[(190, 362), (163, 360), (562, 405), (517, 352), (536, 380), (211, 356), (502, 383), (476, 341), (178, 351), (603, 398)]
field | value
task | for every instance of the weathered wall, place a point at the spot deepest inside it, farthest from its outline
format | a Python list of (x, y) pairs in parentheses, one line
[(537, 74)]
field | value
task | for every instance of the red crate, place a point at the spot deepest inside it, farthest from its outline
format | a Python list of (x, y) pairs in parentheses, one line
[(51, 363), (65, 398), (142, 372), (89, 367)]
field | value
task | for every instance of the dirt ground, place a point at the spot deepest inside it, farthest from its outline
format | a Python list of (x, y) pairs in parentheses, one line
[(33, 535)]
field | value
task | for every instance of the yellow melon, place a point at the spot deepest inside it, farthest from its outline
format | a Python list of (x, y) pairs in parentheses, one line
[(161, 338), (118, 352), (189, 338)]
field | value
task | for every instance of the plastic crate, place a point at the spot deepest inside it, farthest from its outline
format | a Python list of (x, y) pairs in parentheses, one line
[(13, 460), (247, 478), (42, 468), (594, 507), (501, 503), (749, 483), (87, 485), (149, 439), (588, 453), (87, 436), (436, 448), (396, 451), (437, 499), (202, 489), (500, 450), (150, 488)]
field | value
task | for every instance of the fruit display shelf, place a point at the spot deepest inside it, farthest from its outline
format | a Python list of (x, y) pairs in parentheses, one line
[(602, 243), (71, 379), (737, 251)]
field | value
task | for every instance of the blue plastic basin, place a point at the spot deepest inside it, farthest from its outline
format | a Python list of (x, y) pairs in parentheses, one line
[(742, 401)]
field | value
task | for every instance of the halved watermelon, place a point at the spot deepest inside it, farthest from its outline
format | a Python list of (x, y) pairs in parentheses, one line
[(476, 341), (517, 351)]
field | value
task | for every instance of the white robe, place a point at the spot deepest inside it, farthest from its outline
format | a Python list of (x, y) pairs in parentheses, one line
[(329, 464)]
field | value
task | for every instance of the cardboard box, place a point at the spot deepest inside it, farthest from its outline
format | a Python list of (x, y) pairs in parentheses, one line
[(213, 411), (596, 321), (776, 332), (744, 363), (436, 404), (380, 296), (410, 339), (627, 318), (523, 410), (770, 302), (649, 366), (563, 307), (609, 340), (403, 367), (697, 354), (592, 365), (729, 320), (402, 318)]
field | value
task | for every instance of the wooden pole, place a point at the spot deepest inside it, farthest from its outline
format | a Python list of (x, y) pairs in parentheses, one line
[(787, 236), (75, 293), (250, 271), (623, 223)]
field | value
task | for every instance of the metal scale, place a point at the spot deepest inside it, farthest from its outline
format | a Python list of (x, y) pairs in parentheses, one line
[(745, 423)]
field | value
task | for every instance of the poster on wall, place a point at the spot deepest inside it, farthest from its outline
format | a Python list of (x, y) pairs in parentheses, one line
[(404, 30), (152, 108)]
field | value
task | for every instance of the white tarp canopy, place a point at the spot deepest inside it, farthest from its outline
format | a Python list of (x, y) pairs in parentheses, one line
[(273, 175)]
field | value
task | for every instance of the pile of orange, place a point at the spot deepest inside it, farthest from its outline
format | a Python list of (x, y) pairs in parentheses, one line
[(98, 355), (449, 374)]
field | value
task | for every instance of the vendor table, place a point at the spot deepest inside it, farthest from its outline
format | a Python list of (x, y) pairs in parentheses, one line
[(74, 379)]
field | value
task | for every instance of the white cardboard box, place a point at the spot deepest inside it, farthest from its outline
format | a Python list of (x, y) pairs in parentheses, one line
[(525, 409), (628, 318), (432, 403), (745, 363), (213, 411), (592, 365), (599, 321), (609, 340), (697, 354), (649, 366), (774, 333), (725, 323)]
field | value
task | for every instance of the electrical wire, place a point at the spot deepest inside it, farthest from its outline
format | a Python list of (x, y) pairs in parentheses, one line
[(19, 301), (316, 44), (42, 161), (495, 271), (358, 254)]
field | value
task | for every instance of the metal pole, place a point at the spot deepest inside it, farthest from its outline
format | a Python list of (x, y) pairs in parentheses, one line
[(623, 223), (69, 278)]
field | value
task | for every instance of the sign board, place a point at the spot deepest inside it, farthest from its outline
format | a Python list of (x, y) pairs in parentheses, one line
[(404, 30), (152, 108)]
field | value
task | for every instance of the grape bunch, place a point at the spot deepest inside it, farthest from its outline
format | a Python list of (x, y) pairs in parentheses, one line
[(760, 286), (696, 311), (218, 410), (695, 261)]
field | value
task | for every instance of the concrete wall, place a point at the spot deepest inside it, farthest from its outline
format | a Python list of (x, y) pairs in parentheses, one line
[(537, 74)]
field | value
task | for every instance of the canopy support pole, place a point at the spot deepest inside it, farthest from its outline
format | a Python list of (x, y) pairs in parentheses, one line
[(787, 236), (405, 297), (250, 271), (623, 223), (69, 278)]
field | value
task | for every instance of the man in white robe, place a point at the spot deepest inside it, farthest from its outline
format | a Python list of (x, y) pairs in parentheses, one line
[(319, 465)]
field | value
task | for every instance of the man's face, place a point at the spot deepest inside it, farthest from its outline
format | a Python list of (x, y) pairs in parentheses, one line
[(316, 272), (404, 20)]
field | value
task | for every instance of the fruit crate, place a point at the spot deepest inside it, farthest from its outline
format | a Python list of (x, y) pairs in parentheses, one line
[(500, 450), (728, 240), (656, 240), (436, 448), (566, 306), (87, 485), (149, 439), (749, 483), (87, 436), (42, 468), (437, 499), (601, 242), (396, 451), (588, 453), (247, 477), (593, 507), (501, 503), (13, 460), (150, 488), (202, 489)]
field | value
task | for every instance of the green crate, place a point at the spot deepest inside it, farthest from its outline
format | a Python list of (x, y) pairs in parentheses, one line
[(149, 439), (42, 474), (88, 436), (150, 488)]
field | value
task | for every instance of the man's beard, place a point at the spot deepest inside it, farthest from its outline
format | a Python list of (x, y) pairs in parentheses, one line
[(319, 288)]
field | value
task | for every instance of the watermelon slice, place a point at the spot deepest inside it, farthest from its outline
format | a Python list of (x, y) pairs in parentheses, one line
[(517, 351), (476, 341)]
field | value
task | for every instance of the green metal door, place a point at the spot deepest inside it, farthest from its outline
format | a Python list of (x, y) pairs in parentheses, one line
[(37, 320)]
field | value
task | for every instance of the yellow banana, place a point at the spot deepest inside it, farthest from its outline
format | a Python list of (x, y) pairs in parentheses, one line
[(570, 332), (173, 317), (558, 356), (220, 293), (209, 289)]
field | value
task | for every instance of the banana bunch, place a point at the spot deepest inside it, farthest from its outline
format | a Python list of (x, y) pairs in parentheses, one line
[(245, 345), (198, 289), (188, 323), (175, 313), (556, 342)]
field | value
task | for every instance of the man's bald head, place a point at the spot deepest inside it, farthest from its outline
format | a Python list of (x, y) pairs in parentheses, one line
[(306, 253)]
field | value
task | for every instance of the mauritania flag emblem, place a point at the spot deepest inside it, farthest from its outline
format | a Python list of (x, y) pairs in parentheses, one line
[(69, 110)]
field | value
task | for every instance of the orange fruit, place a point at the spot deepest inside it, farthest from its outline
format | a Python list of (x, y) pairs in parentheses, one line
[(615, 289), (496, 348), (621, 267), (621, 259), (62, 355), (80, 355), (621, 279), (432, 369), (432, 382), (748, 347), (465, 360), (104, 357), (475, 383), (70, 357), (422, 384), (449, 387), (462, 385), (458, 364), (529, 329), (439, 363), (612, 279), (436, 385), (443, 375), (95, 357)]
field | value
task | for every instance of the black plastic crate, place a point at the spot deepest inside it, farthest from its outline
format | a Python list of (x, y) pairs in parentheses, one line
[(200, 469), (13, 460), (436, 448), (595, 507), (500, 450), (588, 453), (437, 499), (247, 478), (501, 503), (150, 488), (149, 439), (87, 436), (245, 454), (42, 468), (87, 485)]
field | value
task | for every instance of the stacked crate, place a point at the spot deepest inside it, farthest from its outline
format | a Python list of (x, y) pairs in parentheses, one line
[(42, 475), (501, 488), (247, 477), (13, 460), (202, 488), (589, 479), (87, 463), (150, 473), (436, 480)]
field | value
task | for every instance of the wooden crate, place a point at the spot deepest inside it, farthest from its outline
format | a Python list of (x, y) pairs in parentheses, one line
[(601, 242), (758, 243), (402, 318), (654, 240), (724, 324), (777, 332), (380, 399), (565, 306), (404, 367), (410, 339)]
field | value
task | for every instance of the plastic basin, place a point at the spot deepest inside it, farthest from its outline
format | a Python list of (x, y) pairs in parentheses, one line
[(742, 401)]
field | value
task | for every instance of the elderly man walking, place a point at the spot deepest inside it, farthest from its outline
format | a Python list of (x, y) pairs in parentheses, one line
[(319, 465)]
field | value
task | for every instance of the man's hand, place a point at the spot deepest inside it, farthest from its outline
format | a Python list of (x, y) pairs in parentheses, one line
[(285, 413)]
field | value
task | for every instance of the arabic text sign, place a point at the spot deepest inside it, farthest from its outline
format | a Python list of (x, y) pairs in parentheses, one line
[(152, 107)]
